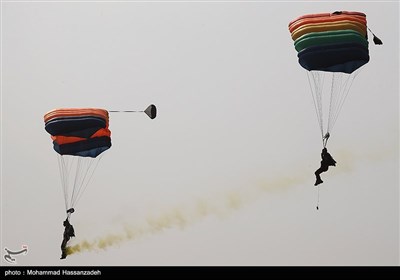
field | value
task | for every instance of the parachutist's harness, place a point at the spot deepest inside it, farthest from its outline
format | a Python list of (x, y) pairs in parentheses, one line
[(69, 212), (325, 139)]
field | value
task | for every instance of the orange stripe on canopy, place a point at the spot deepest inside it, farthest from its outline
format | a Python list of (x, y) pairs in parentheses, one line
[(353, 14), (301, 22), (59, 139), (76, 112)]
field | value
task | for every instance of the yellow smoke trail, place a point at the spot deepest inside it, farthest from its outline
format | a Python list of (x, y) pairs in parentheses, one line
[(220, 205)]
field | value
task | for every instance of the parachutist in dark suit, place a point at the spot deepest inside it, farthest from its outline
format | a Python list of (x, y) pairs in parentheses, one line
[(68, 233), (327, 160)]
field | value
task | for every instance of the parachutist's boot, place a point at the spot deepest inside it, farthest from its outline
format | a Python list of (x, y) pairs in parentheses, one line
[(319, 181), (64, 254)]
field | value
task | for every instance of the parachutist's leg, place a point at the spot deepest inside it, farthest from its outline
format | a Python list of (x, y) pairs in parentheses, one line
[(318, 177), (64, 249), (64, 243)]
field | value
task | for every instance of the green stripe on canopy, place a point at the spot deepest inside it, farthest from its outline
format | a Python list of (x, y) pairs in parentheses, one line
[(329, 37)]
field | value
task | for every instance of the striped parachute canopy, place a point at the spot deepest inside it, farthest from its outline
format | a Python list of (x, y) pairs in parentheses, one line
[(80, 136), (79, 132), (333, 42), (332, 47)]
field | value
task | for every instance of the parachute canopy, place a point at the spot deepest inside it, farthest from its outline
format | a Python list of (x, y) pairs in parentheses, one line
[(80, 136), (332, 47), (79, 132), (332, 42)]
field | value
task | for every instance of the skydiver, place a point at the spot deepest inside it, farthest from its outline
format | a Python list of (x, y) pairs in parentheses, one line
[(327, 160), (68, 233)]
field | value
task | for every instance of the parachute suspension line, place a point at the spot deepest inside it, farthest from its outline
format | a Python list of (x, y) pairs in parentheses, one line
[(78, 182), (77, 174), (341, 84), (345, 91), (69, 164), (126, 111), (319, 95), (78, 179), (340, 97), (63, 177), (316, 92), (82, 169), (320, 79), (334, 96), (90, 177), (67, 167), (81, 172)]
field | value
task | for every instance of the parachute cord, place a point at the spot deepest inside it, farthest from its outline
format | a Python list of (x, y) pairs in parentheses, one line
[(336, 97), (319, 94), (126, 111), (77, 174), (63, 179), (346, 90), (80, 179), (339, 96), (333, 99), (317, 198), (69, 162), (317, 97), (67, 165), (90, 177), (88, 164)]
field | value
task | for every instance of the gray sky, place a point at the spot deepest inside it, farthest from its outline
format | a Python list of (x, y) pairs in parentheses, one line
[(224, 174)]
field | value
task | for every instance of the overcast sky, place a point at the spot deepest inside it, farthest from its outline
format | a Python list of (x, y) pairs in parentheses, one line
[(224, 175)]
